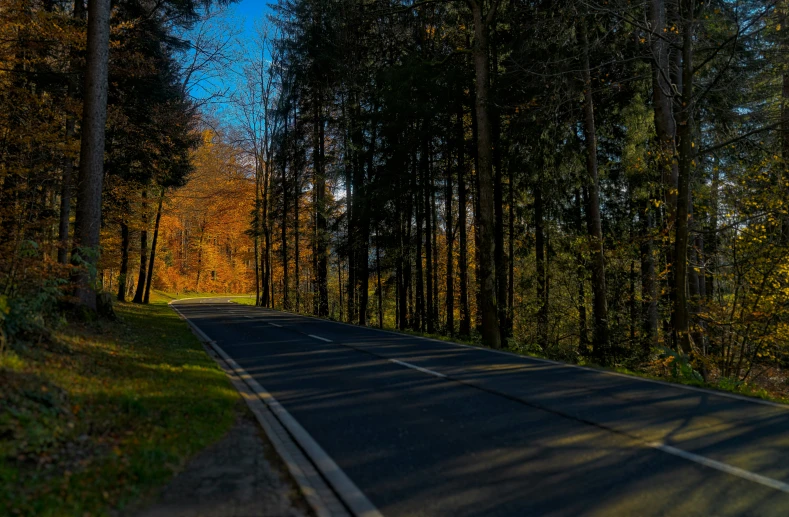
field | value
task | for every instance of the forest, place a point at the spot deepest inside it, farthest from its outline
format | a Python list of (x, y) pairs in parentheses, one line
[(596, 182)]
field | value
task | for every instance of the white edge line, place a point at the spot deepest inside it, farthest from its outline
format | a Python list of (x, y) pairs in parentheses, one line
[(716, 393), (342, 484), (723, 467), (267, 421), (318, 337), (724, 394), (419, 368)]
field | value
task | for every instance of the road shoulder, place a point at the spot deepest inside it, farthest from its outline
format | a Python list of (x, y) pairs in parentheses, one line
[(240, 475)]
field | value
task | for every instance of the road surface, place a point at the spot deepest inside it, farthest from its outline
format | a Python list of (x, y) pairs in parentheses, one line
[(426, 428)]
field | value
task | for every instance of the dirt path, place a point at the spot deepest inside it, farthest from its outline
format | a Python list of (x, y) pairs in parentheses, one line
[(240, 476)]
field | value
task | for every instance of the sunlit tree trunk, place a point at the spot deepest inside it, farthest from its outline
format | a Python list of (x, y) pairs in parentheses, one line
[(140, 291), (124, 270), (149, 280)]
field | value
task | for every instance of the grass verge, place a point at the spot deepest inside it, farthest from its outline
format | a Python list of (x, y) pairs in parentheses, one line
[(98, 416), (170, 296)]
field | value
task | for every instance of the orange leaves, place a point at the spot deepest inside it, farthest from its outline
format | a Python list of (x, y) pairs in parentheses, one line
[(204, 227)]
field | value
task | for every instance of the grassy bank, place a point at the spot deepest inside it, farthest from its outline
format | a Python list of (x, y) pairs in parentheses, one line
[(98, 416), (167, 296)]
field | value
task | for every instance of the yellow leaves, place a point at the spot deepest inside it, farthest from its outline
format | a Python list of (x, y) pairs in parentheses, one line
[(778, 27)]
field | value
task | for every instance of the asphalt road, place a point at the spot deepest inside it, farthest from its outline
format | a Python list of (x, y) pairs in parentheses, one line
[(431, 428)]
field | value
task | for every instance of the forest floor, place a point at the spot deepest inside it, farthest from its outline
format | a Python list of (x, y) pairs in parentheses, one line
[(767, 382), (99, 417)]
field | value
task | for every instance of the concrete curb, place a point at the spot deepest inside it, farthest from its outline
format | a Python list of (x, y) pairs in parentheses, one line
[(325, 487)]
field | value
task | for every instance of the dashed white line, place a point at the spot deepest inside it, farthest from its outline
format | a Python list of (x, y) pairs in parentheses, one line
[(419, 368), (723, 467), (275, 325), (701, 460)]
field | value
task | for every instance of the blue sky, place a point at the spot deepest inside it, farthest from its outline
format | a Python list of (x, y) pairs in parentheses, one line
[(250, 10), (241, 16)]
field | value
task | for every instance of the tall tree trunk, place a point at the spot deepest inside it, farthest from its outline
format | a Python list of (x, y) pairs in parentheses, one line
[(485, 220), (511, 252), (400, 302), (684, 116), (199, 257), (296, 236), (65, 194), (711, 248), (91, 163), (583, 328), (419, 315), (256, 230), (351, 177), (364, 231), (284, 229), (649, 296), (539, 250), (149, 280), (124, 262), (408, 313), (339, 282), (434, 210), (600, 344), (665, 128), (665, 136), (265, 259), (322, 263), (785, 144), (450, 239), (140, 291), (465, 312), (378, 275), (499, 256), (427, 186)]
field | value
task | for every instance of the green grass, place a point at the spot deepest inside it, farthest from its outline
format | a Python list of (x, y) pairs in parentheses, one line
[(169, 296), (723, 385), (99, 416)]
